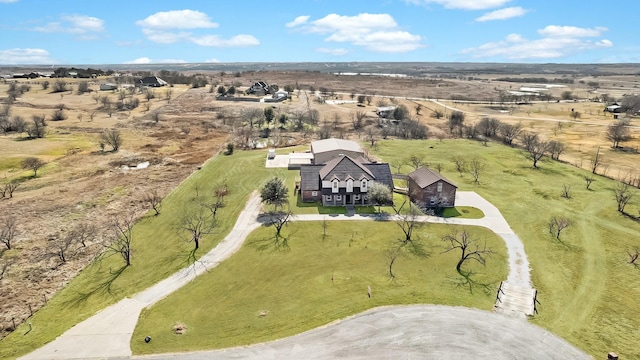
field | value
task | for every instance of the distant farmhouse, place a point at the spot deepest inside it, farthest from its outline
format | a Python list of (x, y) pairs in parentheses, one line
[(385, 111), (613, 108), (340, 175), (260, 88), (152, 81)]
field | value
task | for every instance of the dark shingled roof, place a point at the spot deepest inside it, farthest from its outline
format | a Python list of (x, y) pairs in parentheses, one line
[(382, 173), (343, 167), (425, 177), (310, 177)]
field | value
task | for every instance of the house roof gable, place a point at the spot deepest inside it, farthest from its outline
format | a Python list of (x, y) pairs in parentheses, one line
[(343, 167), (425, 177)]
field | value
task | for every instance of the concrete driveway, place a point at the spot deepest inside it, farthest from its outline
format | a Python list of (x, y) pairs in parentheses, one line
[(408, 332)]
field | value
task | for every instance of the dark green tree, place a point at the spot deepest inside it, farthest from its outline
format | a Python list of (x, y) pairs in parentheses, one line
[(275, 193)]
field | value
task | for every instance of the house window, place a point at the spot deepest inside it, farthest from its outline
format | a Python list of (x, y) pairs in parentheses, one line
[(334, 186), (363, 185), (349, 185), (432, 201), (444, 201), (314, 193), (328, 197), (439, 187), (356, 197), (338, 197)]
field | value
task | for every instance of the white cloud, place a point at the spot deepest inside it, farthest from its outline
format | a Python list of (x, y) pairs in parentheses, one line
[(8, 1), (334, 52), (86, 27), (570, 31), (169, 27), (298, 21), (503, 14), (177, 19), (375, 32), (216, 41), (24, 56), (146, 60), (557, 42), (463, 4)]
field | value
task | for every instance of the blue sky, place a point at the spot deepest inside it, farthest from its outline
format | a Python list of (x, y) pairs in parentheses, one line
[(161, 31)]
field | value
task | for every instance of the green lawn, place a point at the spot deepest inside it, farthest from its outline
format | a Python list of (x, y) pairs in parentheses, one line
[(587, 290), (311, 282), (158, 251)]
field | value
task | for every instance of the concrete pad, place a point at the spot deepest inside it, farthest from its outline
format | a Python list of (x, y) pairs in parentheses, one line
[(408, 332), (280, 161)]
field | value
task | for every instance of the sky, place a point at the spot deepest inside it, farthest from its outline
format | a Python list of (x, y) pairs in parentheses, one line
[(67, 32)]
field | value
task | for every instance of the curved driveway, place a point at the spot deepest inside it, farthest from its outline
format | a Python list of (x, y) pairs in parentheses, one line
[(389, 332)]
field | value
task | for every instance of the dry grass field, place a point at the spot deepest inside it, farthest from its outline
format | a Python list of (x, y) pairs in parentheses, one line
[(83, 184)]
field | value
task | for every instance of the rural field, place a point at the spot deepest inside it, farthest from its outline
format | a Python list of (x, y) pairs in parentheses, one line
[(586, 284)]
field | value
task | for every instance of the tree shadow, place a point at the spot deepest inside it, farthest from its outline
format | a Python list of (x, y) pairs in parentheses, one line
[(467, 281), (273, 243), (103, 287)]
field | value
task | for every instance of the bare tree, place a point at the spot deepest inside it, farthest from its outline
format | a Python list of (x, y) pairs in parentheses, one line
[(83, 233), (9, 187), (475, 169), (199, 221), (589, 179), (34, 164), (8, 231), (392, 256), (168, 94), (618, 133), (112, 138), (557, 224), (535, 147), (357, 119), (252, 115), (407, 221), (121, 238), (154, 200), (633, 256), (596, 161), (509, 132), (60, 247), (155, 116), (556, 148), (4, 267), (469, 247), (460, 164), (416, 161), (622, 194), (278, 219), (566, 191)]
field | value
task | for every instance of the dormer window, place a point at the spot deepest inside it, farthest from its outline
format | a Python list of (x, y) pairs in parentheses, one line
[(334, 186), (363, 185), (350, 185)]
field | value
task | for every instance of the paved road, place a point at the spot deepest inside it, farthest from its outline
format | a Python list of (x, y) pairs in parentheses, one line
[(408, 332), (108, 333)]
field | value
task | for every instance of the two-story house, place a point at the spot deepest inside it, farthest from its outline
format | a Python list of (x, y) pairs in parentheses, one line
[(342, 181)]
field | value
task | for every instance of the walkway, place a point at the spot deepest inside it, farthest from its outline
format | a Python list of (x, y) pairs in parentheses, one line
[(108, 333), (408, 332)]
